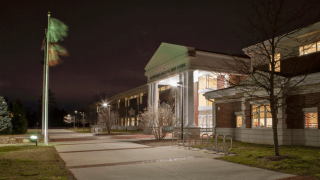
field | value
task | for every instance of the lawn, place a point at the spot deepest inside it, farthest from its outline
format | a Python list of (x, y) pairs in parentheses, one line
[(32, 162), (299, 160)]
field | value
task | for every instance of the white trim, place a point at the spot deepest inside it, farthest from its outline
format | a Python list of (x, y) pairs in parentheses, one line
[(311, 110)]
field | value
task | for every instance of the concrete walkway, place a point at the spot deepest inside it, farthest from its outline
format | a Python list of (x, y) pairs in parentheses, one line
[(121, 159)]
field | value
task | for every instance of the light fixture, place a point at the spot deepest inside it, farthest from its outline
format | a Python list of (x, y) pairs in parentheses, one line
[(105, 104)]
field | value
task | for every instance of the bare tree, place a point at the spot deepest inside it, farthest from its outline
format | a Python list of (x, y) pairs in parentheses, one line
[(107, 119), (157, 121), (271, 76)]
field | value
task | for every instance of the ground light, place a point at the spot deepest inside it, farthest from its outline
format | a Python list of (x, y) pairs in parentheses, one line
[(34, 138)]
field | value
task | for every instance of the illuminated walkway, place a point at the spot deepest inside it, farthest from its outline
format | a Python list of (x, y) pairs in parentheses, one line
[(121, 159)]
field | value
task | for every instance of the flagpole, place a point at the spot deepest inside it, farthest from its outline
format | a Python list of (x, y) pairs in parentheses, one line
[(47, 85), (44, 82)]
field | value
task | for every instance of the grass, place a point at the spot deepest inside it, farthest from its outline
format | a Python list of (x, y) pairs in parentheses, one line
[(298, 160), (32, 162), (88, 130)]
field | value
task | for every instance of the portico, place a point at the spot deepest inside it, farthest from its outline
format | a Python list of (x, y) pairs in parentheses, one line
[(174, 64)]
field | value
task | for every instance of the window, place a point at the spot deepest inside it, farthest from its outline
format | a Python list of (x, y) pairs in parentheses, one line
[(277, 64), (207, 81), (202, 100), (121, 121), (311, 120), (239, 121), (261, 116), (309, 48), (119, 103), (132, 121)]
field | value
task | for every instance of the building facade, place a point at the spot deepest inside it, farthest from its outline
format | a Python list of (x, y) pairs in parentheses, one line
[(245, 113)]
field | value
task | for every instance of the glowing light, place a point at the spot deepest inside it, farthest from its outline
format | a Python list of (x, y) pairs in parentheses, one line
[(172, 83), (104, 104), (34, 137)]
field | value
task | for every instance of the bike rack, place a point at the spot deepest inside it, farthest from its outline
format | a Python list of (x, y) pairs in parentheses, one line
[(224, 143), (209, 142), (202, 140), (217, 143)]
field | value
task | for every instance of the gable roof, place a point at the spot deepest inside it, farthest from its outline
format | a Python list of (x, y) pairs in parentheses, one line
[(167, 52)]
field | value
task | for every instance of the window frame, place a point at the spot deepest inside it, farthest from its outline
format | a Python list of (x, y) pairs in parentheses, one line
[(310, 110), (302, 52), (258, 115), (239, 114)]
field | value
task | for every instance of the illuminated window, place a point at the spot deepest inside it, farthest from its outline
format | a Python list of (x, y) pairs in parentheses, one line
[(121, 121), (311, 120), (212, 82), (277, 64), (162, 88), (239, 121), (119, 103), (261, 116), (202, 82), (309, 48), (202, 100)]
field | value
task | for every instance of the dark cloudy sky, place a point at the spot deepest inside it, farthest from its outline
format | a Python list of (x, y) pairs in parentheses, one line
[(110, 43)]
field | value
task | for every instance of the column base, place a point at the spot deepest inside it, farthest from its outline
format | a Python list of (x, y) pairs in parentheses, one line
[(194, 130)]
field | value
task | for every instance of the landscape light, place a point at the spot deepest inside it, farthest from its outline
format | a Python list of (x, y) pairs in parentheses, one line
[(34, 138)]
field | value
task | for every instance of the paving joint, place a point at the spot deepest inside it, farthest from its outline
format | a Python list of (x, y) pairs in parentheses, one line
[(104, 150), (135, 162)]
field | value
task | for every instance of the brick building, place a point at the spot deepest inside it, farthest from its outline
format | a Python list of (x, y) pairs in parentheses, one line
[(245, 113)]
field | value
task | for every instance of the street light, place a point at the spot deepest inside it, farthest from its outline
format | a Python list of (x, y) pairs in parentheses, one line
[(75, 118)]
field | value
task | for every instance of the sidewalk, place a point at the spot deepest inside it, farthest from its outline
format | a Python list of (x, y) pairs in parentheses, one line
[(119, 159)]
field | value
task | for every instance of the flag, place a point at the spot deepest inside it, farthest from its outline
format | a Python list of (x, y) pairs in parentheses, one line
[(56, 50), (57, 30), (44, 43)]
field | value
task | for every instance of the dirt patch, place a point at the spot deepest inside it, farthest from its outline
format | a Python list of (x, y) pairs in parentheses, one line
[(275, 158), (155, 143)]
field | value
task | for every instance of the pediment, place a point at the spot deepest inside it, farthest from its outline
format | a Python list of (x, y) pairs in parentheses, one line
[(165, 53)]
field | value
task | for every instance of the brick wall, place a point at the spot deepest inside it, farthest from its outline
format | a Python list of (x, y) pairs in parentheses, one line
[(220, 82), (295, 103), (247, 113), (225, 116)]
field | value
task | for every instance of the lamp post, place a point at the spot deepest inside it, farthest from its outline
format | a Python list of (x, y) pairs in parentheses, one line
[(75, 118)]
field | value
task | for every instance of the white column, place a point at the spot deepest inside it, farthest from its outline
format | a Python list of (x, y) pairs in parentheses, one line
[(177, 106), (155, 96), (243, 110), (214, 117), (149, 96), (185, 98), (190, 97)]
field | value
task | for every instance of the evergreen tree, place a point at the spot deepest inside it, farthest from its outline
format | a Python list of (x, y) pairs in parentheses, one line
[(19, 120), (5, 119)]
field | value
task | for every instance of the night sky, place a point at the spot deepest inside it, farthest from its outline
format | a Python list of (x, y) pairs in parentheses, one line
[(109, 42)]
